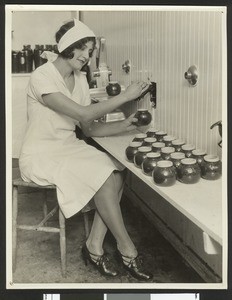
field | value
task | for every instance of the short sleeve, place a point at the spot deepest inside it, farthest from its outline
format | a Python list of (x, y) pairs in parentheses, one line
[(41, 83)]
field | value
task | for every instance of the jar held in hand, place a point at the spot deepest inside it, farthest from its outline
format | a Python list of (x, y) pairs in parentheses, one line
[(144, 117)]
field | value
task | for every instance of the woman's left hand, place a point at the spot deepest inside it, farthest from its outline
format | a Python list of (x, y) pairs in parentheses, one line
[(128, 123)]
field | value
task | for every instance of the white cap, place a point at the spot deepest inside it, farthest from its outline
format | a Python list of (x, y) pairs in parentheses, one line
[(74, 34)]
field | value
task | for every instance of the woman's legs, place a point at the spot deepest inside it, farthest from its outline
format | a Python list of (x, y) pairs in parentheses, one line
[(99, 228), (108, 215)]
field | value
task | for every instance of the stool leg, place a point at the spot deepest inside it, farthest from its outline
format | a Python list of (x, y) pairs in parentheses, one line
[(86, 222), (14, 225), (45, 206), (62, 243)]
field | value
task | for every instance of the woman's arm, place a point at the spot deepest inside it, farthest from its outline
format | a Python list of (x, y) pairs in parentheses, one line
[(86, 114), (107, 129)]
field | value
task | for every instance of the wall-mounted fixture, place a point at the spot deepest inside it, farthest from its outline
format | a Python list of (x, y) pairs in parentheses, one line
[(126, 66), (219, 124), (152, 90), (191, 75)]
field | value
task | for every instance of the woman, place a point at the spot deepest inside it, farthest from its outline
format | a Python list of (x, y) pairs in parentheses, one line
[(58, 99)]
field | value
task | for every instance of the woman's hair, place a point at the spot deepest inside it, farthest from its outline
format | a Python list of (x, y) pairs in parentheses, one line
[(68, 52)]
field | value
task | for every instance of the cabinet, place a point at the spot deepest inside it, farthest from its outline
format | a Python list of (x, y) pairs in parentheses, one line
[(184, 235), (180, 212), (19, 111)]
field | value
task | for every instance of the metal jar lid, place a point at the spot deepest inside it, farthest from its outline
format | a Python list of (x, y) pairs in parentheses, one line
[(188, 161), (135, 144), (144, 149), (178, 142), (177, 155), (211, 158), (168, 150), (199, 152), (164, 163)]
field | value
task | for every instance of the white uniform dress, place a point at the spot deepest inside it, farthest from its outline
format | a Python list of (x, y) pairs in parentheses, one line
[(51, 153)]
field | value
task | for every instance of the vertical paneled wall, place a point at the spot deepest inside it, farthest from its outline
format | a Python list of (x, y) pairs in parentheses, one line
[(162, 45)]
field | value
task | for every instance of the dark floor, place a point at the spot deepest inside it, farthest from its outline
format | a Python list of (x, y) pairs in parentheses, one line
[(38, 257)]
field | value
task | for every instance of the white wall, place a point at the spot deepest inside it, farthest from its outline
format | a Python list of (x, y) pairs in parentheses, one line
[(36, 27), (162, 45)]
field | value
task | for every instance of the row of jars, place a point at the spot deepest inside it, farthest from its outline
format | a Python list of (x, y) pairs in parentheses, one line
[(166, 159), (25, 60)]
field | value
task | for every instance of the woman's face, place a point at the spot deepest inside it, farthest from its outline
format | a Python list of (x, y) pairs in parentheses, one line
[(81, 56)]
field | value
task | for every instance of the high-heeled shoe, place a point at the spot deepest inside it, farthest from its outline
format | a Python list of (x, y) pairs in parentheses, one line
[(102, 262), (134, 265)]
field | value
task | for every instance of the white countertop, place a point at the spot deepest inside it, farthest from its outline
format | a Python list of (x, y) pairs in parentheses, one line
[(200, 202)]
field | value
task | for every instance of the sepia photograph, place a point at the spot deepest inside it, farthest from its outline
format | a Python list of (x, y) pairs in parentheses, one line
[(116, 145)]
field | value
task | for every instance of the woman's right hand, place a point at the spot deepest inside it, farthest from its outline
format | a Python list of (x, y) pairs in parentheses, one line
[(134, 90)]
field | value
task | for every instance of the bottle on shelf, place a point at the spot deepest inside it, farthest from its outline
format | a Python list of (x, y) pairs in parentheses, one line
[(22, 62), (28, 58), (39, 49), (15, 61)]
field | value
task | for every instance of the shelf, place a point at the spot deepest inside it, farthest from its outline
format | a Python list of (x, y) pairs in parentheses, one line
[(21, 74)]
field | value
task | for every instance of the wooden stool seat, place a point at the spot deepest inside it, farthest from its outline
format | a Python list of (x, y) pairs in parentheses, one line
[(16, 183)]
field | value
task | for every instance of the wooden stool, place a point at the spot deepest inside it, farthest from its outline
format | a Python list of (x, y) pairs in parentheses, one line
[(42, 225)]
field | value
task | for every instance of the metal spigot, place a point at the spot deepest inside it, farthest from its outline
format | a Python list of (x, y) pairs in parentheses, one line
[(126, 66), (191, 75), (152, 90)]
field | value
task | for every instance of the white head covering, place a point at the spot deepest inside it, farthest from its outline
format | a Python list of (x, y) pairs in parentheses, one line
[(76, 33)]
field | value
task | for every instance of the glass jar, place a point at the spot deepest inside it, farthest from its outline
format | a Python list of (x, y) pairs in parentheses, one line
[(164, 173), (168, 140), (148, 141), (156, 147), (189, 171), (166, 152), (141, 155), (211, 167), (132, 149), (199, 154), (152, 131), (177, 144), (160, 135), (139, 137), (176, 158), (113, 88), (187, 149), (150, 162), (144, 117)]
